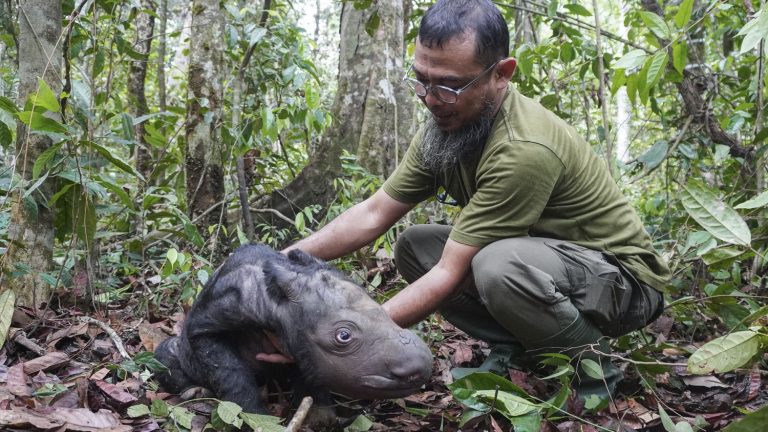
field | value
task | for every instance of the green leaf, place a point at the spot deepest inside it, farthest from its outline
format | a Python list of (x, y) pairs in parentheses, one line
[(7, 304), (754, 31), (8, 105), (508, 404), (714, 215), (679, 56), (655, 155), (656, 24), (552, 8), (656, 69), (138, 410), (84, 212), (182, 416), (577, 9), (172, 255), (108, 155), (44, 158), (45, 97), (361, 424), (592, 368), (38, 122), (373, 23), (264, 422), (228, 412), (683, 15), (725, 353), (631, 60), (6, 137), (464, 389), (160, 408), (666, 421), (756, 202), (117, 190), (752, 422), (36, 185)]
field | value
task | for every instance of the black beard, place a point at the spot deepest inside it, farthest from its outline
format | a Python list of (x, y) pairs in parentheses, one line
[(442, 150)]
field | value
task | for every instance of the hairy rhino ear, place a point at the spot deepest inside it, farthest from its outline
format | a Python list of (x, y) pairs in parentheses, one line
[(283, 283), (298, 256)]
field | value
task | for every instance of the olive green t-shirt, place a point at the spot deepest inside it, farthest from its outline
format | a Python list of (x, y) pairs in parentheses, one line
[(537, 177)]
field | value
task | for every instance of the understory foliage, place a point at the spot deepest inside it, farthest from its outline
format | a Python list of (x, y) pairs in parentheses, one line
[(690, 154)]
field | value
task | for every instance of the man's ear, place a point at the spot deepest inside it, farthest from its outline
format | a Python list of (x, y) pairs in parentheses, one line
[(505, 69)]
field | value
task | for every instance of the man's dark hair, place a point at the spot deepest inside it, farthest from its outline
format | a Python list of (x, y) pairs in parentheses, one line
[(447, 19)]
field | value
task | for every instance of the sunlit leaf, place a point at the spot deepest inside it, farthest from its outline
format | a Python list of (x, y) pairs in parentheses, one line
[(725, 353), (45, 97), (679, 56), (263, 422), (631, 60), (228, 412), (683, 15), (182, 416), (592, 368), (38, 122), (714, 215), (7, 303), (506, 403), (656, 24), (759, 201), (656, 68)]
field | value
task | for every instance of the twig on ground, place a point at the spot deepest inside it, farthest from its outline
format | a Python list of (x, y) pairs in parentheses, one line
[(20, 338), (300, 415), (112, 334)]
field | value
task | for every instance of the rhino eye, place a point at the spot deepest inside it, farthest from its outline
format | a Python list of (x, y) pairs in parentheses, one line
[(343, 336)]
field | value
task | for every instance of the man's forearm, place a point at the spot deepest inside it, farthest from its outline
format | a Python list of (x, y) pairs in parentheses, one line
[(346, 233)]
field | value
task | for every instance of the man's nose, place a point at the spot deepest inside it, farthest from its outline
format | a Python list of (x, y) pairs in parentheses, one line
[(430, 100)]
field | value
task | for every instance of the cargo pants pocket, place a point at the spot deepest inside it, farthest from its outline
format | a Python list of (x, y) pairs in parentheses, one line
[(596, 287)]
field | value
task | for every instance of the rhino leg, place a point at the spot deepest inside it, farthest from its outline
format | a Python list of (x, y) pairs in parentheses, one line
[(174, 379), (228, 375)]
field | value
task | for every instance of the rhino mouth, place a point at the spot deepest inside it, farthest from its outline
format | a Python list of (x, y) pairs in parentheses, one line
[(384, 386)]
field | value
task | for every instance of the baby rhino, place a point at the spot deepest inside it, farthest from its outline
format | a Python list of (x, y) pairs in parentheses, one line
[(341, 340)]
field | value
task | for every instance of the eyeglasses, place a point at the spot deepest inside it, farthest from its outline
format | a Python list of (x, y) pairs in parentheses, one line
[(445, 94)]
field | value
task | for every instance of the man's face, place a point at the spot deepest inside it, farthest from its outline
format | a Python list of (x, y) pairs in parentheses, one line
[(454, 65)]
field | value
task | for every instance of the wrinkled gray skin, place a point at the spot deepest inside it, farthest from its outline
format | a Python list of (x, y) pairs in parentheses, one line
[(340, 338)]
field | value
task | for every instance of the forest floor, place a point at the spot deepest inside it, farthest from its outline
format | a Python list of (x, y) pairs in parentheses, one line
[(65, 372)]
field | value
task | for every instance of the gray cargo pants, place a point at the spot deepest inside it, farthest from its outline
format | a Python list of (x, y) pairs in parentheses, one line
[(529, 289)]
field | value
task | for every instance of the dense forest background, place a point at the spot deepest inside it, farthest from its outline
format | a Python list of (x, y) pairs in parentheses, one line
[(143, 140)]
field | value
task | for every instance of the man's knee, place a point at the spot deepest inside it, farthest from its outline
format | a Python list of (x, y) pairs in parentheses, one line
[(419, 248)]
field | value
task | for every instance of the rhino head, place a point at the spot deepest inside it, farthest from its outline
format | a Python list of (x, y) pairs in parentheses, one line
[(341, 338)]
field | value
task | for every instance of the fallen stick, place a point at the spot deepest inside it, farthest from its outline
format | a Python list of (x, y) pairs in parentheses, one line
[(300, 415), (112, 334), (20, 338)]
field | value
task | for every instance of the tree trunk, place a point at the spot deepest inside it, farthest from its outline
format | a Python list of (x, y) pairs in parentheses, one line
[(204, 152), (372, 111), (386, 125), (31, 228), (162, 49), (145, 24)]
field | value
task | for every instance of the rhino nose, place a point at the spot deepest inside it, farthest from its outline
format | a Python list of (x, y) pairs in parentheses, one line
[(414, 362)]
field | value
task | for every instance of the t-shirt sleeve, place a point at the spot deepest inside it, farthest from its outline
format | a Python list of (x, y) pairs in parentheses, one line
[(514, 185), (410, 182)]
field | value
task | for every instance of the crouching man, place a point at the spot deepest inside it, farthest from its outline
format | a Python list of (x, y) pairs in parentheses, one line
[(546, 255)]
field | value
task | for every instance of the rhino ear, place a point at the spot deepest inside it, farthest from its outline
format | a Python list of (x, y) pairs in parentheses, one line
[(283, 283), (298, 256)]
